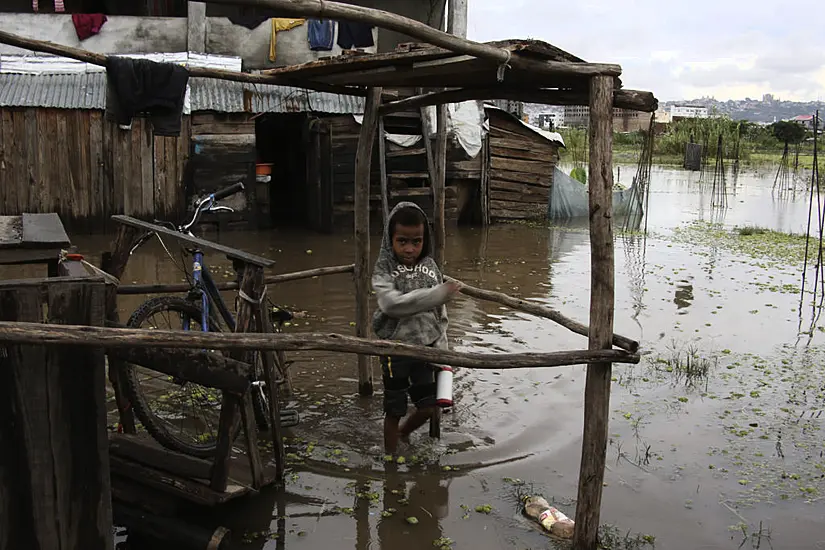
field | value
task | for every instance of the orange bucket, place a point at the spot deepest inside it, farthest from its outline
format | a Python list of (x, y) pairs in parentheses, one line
[(263, 169)]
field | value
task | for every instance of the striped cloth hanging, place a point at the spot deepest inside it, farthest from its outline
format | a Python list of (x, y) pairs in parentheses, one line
[(35, 6), (59, 7)]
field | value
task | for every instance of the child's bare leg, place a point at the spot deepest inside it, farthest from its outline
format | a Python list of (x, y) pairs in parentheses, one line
[(415, 421), (391, 434)]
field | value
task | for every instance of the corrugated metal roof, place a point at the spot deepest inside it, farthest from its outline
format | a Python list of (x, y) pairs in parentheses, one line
[(88, 91), (60, 91), (209, 94)]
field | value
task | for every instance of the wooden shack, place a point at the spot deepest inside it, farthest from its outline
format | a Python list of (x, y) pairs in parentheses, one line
[(520, 163)]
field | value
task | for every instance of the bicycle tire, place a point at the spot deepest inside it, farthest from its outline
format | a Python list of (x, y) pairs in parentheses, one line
[(157, 427)]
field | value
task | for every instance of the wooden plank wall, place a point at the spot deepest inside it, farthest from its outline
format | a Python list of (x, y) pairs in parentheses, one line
[(344, 132), (520, 170), (77, 164), (224, 152)]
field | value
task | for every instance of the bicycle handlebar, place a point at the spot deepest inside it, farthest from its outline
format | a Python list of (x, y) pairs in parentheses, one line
[(228, 191)]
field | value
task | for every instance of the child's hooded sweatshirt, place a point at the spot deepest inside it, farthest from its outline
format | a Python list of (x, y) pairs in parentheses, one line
[(411, 300)]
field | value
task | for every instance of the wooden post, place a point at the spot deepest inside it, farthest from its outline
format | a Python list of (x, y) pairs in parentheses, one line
[(597, 388), (382, 163), (115, 264), (439, 187), (363, 168), (252, 284), (55, 490), (273, 395), (458, 18)]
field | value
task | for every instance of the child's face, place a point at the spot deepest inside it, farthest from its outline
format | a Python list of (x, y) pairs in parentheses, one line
[(407, 243)]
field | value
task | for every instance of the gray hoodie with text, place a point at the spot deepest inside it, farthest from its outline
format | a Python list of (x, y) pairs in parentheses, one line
[(411, 300)]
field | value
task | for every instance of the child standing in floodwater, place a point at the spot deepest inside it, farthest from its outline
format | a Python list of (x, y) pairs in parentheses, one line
[(412, 299)]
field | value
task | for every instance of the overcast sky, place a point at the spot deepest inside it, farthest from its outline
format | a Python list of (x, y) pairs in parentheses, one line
[(728, 49)]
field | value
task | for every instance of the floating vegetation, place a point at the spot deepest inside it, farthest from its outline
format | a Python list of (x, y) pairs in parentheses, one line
[(763, 244)]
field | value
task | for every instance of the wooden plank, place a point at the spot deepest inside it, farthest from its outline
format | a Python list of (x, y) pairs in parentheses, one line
[(252, 286), (72, 268), (43, 231), (144, 450), (166, 232), (522, 188), (521, 177), (161, 177), (272, 392), (208, 369), (21, 161), (602, 287), (10, 184), (62, 176), (539, 145), (529, 210), (58, 399), (382, 161), (250, 430), (524, 166), (506, 196), (33, 162), (524, 153), (363, 162), (485, 182), (97, 211), (439, 188), (146, 154)]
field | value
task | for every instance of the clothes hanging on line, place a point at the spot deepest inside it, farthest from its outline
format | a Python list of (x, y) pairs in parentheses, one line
[(137, 86), (251, 22), (355, 35), (321, 34), (59, 7), (280, 24), (87, 24)]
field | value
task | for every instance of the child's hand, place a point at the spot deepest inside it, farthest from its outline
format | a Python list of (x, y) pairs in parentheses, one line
[(454, 287)]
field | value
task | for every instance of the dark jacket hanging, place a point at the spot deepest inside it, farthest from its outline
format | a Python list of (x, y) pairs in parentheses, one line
[(354, 35), (142, 86)]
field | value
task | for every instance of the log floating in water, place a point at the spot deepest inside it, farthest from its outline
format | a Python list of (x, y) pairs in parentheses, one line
[(541, 311), (44, 334), (169, 530), (270, 280)]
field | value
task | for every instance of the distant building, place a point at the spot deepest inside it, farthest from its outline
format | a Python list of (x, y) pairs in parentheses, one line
[(767, 98), (678, 112), (551, 121), (624, 120), (805, 120), (663, 116)]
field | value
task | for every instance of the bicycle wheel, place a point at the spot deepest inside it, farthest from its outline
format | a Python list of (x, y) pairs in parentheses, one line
[(180, 415)]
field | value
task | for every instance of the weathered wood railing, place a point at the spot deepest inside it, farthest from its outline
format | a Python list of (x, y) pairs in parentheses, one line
[(54, 461)]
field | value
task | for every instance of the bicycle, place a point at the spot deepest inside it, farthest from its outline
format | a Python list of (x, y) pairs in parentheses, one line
[(204, 309)]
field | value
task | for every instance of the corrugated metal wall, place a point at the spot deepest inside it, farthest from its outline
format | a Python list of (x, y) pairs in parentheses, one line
[(86, 169)]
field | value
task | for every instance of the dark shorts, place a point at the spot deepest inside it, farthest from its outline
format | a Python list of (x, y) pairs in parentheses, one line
[(402, 377)]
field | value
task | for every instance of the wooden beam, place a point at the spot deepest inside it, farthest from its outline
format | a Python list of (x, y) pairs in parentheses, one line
[(439, 187), (363, 169), (45, 335), (633, 100), (175, 288), (201, 72), (208, 369), (458, 18), (382, 163), (326, 9), (597, 387)]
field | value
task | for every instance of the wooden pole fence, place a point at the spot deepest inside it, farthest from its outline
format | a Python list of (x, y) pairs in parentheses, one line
[(270, 280), (45, 334), (541, 311)]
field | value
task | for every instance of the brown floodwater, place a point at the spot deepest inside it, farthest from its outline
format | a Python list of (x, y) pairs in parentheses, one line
[(715, 439)]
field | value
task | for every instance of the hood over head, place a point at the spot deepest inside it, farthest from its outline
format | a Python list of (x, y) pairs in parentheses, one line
[(386, 242)]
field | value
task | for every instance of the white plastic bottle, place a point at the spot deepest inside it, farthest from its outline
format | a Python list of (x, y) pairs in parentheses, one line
[(444, 387)]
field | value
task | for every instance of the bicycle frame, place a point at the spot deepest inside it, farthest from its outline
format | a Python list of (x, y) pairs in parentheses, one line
[(209, 294)]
